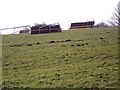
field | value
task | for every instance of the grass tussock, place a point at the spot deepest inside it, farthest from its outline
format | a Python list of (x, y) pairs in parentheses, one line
[(72, 59)]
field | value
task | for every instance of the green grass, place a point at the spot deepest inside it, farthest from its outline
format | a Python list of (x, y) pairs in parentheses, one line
[(85, 58)]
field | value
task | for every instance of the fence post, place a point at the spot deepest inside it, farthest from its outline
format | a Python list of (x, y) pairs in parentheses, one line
[(14, 30), (49, 29)]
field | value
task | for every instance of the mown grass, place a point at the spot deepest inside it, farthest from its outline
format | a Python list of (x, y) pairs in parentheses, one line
[(85, 58)]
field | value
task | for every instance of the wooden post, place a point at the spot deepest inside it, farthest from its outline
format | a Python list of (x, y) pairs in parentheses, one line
[(14, 30), (49, 29), (87, 23), (39, 30)]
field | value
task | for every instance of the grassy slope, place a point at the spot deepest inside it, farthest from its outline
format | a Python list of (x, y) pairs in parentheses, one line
[(80, 58)]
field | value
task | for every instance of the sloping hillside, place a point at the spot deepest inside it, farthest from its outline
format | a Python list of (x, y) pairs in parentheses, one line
[(84, 58)]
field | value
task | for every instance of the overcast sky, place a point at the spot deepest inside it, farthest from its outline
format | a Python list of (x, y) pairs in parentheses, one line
[(27, 12)]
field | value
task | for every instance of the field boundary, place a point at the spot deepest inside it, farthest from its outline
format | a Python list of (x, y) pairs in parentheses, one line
[(4, 29)]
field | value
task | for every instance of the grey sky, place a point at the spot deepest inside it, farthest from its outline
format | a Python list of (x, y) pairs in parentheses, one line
[(28, 12)]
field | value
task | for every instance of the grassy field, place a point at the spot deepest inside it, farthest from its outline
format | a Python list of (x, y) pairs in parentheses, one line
[(85, 58)]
